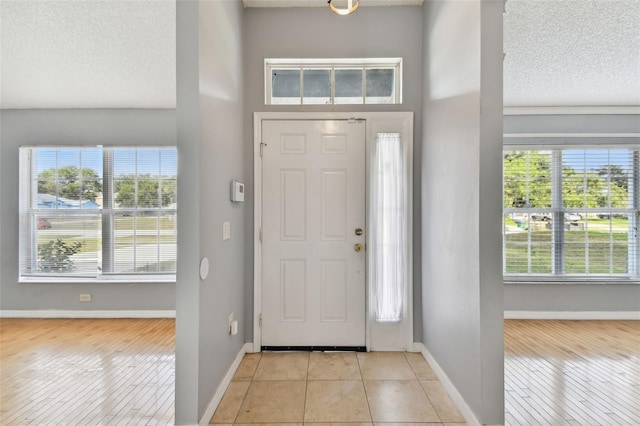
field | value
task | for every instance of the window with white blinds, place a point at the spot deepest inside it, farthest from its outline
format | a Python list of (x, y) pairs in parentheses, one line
[(570, 213), (98, 212)]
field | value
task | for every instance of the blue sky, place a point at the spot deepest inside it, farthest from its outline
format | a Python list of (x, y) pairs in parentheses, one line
[(126, 160), (594, 159)]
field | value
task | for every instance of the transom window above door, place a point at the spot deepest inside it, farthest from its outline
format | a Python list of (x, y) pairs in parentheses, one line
[(333, 81)]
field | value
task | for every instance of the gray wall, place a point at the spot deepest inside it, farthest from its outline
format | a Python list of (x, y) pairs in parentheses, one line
[(461, 198), (211, 154), (317, 33), (73, 128), (575, 296), (572, 297)]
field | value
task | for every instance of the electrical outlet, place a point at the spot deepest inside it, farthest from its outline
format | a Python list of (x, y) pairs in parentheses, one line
[(85, 297), (230, 322)]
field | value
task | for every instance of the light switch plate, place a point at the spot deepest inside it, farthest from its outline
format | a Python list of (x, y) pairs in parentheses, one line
[(226, 231)]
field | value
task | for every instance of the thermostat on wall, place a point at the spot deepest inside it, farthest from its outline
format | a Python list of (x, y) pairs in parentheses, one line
[(237, 191)]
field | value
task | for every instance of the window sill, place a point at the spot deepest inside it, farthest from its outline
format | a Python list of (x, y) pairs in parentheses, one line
[(573, 281), (120, 279)]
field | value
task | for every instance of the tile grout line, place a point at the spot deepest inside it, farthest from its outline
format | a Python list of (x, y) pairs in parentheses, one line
[(423, 389), (235, 419), (306, 389), (364, 387)]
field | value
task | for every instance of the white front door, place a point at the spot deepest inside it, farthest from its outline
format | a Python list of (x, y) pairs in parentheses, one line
[(313, 208)]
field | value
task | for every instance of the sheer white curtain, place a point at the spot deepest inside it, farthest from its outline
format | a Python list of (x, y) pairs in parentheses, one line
[(388, 261)]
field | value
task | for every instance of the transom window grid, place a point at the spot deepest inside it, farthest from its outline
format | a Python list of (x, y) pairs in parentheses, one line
[(121, 222), (570, 213), (334, 82)]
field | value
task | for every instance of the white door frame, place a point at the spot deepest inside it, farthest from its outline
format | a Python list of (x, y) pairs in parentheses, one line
[(375, 122)]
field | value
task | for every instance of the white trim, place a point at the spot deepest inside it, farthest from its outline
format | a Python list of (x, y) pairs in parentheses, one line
[(54, 313), (573, 315), (224, 384), (257, 229), (571, 135), (258, 117), (455, 396), (576, 110), (331, 62)]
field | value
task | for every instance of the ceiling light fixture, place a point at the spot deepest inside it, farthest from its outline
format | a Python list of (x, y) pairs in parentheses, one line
[(352, 5)]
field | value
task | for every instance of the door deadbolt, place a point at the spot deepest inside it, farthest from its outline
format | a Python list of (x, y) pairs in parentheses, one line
[(358, 231), (357, 247)]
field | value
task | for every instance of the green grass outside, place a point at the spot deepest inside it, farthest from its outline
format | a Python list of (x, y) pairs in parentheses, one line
[(93, 244), (616, 221), (602, 248), (145, 223), (164, 266)]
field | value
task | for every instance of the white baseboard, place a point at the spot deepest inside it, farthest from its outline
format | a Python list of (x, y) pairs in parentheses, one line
[(226, 381), (455, 396), (573, 315), (86, 314)]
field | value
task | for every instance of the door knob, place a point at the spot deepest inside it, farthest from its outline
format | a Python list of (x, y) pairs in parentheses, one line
[(357, 247)]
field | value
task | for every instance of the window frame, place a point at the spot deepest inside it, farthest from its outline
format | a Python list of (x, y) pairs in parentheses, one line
[(334, 64), (557, 276), (28, 232)]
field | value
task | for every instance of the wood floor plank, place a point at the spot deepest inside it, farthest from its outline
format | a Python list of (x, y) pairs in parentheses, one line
[(87, 371), (572, 372)]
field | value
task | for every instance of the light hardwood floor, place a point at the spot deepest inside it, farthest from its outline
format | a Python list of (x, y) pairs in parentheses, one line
[(70, 371), (572, 373), (87, 371)]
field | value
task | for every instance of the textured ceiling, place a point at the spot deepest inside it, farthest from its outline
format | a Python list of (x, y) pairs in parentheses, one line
[(121, 53), (87, 54), (569, 53)]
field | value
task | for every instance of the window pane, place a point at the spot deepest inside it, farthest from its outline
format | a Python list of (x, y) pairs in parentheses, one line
[(596, 178), (528, 243), (145, 243), (147, 240), (348, 86), (137, 178), (169, 178), (148, 192), (68, 244), (124, 242), (168, 243), (380, 86), (169, 193), (597, 244), (124, 162), (169, 163), (317, 87), (285, 87), (527, 179), (68, 178), (125, 192)]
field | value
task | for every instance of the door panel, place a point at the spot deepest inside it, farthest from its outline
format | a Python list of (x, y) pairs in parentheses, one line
[(313, 283)]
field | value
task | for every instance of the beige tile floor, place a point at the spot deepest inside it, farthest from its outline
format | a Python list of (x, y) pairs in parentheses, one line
[(332, 388)]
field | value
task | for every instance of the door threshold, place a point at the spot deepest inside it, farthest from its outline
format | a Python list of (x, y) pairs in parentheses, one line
[(314, 348)]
